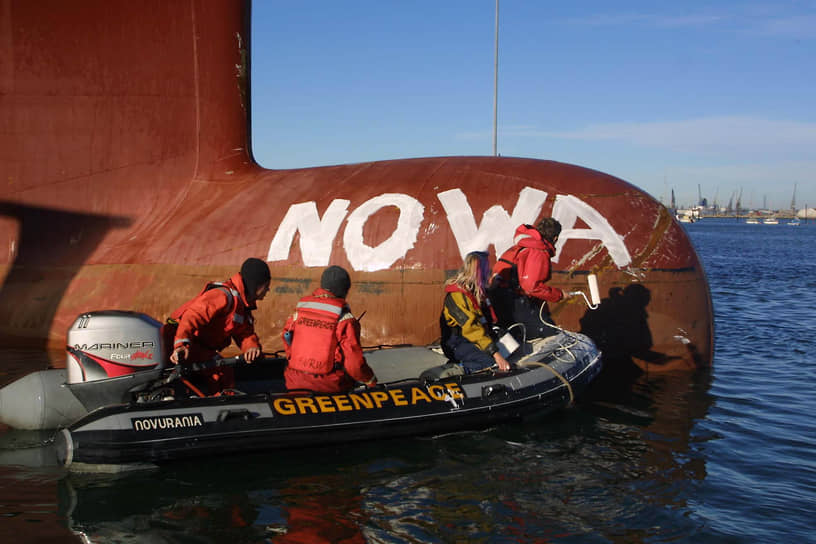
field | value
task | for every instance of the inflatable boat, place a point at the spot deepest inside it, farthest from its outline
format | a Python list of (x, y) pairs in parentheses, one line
[(122, 403)]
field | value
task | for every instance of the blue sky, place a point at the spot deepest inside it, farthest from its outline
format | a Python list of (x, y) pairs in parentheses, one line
[(721, 94)]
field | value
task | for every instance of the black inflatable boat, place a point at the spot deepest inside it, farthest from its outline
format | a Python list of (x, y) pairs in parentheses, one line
[(437, 399), (118, 402)]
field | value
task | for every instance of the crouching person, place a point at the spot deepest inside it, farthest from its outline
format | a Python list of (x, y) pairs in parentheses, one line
[(322, 340), (467, 317), (519, 290), (220, 314)]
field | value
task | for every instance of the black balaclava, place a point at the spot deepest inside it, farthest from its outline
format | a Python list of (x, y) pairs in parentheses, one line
[(255, 273)]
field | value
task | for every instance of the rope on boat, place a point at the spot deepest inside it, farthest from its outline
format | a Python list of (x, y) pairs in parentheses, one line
[(557, 375), (565, 348)]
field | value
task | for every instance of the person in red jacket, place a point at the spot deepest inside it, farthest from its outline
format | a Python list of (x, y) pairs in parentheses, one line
[(322, 340), (220, 314), (519, 291)]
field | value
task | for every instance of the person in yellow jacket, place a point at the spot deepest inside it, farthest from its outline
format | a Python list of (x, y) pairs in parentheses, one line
[(467, 318)]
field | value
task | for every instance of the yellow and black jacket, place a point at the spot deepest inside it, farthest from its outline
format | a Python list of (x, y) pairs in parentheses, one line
[(462, 316)]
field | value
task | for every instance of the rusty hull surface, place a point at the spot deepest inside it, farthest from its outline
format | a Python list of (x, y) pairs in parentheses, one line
[(128, 182)]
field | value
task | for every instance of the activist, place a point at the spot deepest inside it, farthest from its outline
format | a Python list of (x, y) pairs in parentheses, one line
[(467, 318), (219, 314), (518, 289), (322, 340)]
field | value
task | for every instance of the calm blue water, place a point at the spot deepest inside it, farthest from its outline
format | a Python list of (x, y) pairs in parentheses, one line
[(723, 456)]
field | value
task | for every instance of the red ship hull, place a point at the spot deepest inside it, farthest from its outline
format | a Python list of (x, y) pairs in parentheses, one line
[(128, 182)]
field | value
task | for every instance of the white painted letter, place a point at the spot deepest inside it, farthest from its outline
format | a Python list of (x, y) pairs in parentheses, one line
[(316, 235), (497, 226), (363, 257), (567, 209)]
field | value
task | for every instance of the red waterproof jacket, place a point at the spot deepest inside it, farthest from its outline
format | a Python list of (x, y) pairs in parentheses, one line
[(217, 315), (531, 257), (325, 350)]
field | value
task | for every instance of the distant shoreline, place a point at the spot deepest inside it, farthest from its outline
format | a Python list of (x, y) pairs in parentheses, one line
[(778, 215)]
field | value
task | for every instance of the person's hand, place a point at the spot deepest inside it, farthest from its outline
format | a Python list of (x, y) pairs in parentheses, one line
[(252, 354), (504, 366), (180, 354), (565, 295)]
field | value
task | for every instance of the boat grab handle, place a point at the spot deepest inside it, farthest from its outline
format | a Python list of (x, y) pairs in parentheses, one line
[(241, 413), (493, 389)]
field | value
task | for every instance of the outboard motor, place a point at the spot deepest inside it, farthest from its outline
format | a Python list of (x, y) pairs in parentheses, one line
[(111, 354), (112, 343), (113, 357)]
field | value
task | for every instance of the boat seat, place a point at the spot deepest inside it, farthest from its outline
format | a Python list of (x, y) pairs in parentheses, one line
[(403, 363)]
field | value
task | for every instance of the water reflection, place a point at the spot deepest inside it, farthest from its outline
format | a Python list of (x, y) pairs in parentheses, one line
[(313, 496), (29, 509)]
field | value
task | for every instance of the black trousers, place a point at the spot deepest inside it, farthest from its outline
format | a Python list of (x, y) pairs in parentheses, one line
[(512, 308)]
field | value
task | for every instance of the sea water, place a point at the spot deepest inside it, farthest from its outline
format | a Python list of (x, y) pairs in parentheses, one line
[(727, 455)]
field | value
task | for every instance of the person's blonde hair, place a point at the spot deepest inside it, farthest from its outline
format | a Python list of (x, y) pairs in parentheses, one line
[(473, 275)]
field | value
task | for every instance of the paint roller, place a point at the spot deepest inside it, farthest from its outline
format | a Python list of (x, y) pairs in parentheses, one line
[(594, 299), (594, 292)]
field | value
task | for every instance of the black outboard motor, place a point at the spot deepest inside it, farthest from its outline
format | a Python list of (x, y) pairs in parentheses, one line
[(112, 354)]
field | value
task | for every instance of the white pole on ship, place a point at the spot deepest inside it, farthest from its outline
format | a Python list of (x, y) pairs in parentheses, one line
[(496, 82)]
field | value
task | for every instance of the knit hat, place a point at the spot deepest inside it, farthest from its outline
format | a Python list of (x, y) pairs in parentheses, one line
[(255, 273), (336, 280)]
